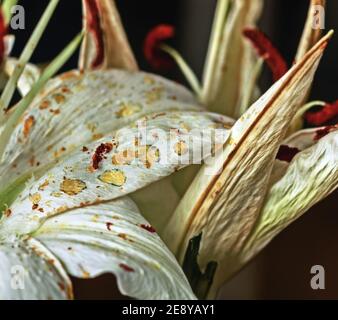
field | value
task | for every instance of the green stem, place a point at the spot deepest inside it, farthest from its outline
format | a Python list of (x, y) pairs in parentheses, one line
[(186, 70), (6, 9), (8, 92), (214, 45)]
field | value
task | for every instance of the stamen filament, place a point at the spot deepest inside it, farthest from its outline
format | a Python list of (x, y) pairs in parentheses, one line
[(214, 44), (251, 85), (6, 9), (298, 121), (185, 68)]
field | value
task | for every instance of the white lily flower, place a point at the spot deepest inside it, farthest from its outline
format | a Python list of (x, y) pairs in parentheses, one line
[(89, 159)]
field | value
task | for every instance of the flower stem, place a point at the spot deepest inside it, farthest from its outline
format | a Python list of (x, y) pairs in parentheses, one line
[(6, 9), (214, 44), (186, 70), (8, 92)]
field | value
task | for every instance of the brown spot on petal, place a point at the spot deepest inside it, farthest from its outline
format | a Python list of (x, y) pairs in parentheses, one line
[(59, 98), (8, 212), (72, 187), (109, 225), (29, 122), (44, 105), (114, 177)]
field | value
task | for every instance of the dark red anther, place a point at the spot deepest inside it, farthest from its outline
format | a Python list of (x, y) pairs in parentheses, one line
[(267, 51), (100, 151), (286, 153), (94, 26), (3, 32), (155, 56), (327, 113)]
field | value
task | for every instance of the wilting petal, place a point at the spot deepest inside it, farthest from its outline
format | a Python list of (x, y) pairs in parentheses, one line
[(105, 45), (75, 109), (310, 34), (311, 176), (224, 206), (135, 156), (113, 237), (29, 271), (230, 59)]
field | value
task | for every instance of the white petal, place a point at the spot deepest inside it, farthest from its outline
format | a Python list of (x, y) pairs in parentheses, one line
[(29, 271), (311, 176), (78, 108), (113, 237), (176, 138)]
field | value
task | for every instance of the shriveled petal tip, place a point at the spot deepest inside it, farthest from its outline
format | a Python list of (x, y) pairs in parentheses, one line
[(156, 58), (3, 32), (93, 24), (328, 113), (267, 51)]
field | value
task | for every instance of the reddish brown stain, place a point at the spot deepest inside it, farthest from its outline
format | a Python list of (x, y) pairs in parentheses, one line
[(149, 228), (126, 267), (100, 151)]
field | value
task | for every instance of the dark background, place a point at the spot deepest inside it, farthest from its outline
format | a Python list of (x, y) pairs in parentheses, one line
[(283, 269)]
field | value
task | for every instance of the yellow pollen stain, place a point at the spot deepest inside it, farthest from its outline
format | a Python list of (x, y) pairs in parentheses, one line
[(35, 198), (128, 109), (114, 177), (180, 148), (72, 187), (59, 98), (154, 95)]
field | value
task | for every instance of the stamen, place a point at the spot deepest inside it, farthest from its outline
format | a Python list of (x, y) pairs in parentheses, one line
[(329, 112), (267, 51), (286, 153), (3, 32), (152, 47)]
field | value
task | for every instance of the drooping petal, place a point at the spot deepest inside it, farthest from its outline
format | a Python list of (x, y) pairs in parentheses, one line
[(113, 237), (224, 201), (28, 271), (311, 176), (105, 45), (299, 141), (135, 156)]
